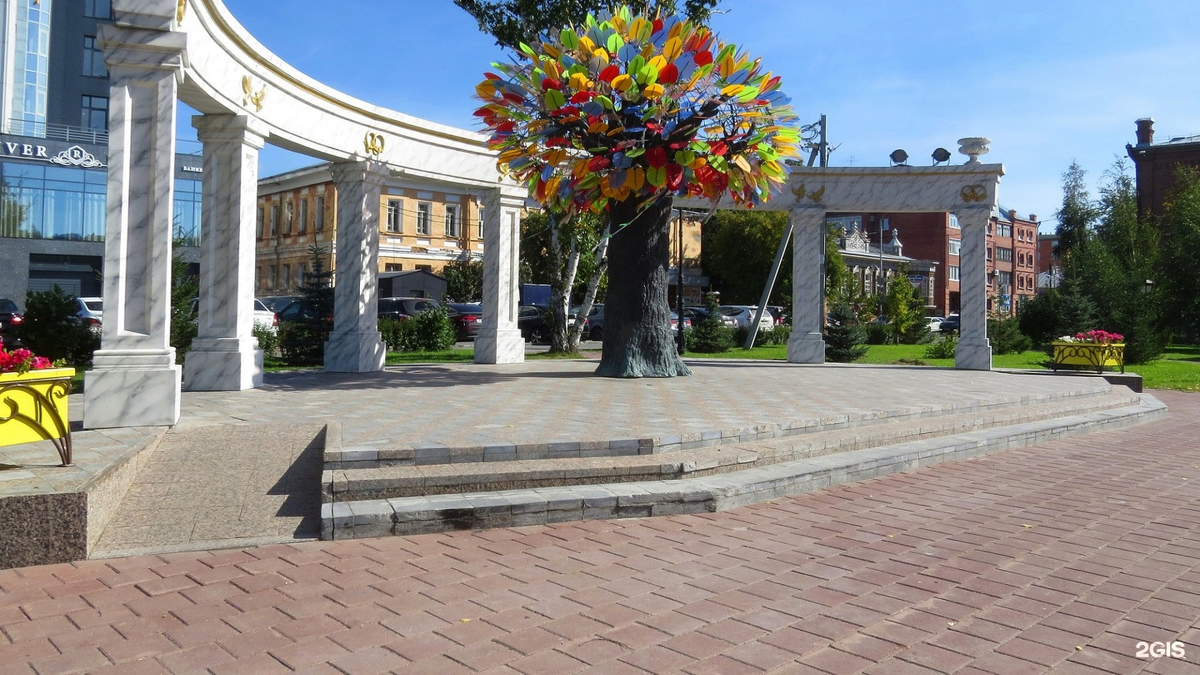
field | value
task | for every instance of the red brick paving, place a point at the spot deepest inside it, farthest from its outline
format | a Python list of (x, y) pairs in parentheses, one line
[(1058, 558)]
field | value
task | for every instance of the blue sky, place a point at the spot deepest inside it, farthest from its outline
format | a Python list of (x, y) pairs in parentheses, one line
[(1049, 81)]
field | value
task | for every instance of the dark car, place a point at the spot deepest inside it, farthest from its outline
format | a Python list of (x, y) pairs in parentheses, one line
[(698, 314), (402, 308), (467, 319), (300, 310), (595, 317), (531, 320), (10, 321), (950, 324), (276, 303)]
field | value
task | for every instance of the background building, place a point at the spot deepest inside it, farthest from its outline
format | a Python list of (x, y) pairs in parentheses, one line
[(871, 266), (1155, 164), (422, 226), (54, 150)]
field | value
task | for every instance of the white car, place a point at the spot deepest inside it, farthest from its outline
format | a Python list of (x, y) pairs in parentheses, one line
[(264, 318), (90, 312), (744, 315), (935, 323)]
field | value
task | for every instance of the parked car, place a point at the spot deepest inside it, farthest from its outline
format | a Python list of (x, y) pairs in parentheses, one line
[(779, 314), (743, 315), (935, 323), (90, 312), (10, 321), (403, 308), (276, 303), (687, 323), (698, 314), (264, 318), (531, 320), (949, 324), (595, 317), (300, 310), (467, 318)]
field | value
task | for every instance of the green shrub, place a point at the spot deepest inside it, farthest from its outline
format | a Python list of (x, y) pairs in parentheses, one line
[(268, 340), (942, 347), (844, 335), (391, 330), (302, 343), (1006, 336), (710, 335), (52, 330), (877, 333), (428, 331)]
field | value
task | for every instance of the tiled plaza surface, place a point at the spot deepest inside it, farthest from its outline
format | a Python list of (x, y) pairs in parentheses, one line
[(1056, 558)]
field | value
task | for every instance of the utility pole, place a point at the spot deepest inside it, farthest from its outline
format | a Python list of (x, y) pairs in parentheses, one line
[(817, 132)]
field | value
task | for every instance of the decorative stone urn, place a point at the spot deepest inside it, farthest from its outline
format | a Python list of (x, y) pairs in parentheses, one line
[(973, 147)]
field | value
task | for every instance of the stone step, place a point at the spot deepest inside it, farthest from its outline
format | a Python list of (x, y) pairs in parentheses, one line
[(511, 508), (389, 481), (424, 454)]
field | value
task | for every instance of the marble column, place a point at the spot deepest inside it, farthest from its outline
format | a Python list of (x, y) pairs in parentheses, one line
[(355, 345), (974, 351), (225, 355), (499, 339), (134, 380), (807, 342)]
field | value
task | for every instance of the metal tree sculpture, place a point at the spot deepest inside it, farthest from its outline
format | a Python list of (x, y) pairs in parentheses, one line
[(621, 114)]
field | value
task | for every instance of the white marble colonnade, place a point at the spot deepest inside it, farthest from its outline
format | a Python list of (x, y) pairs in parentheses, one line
[(135, 380), (225, 356), (499, 339), (355, 345)]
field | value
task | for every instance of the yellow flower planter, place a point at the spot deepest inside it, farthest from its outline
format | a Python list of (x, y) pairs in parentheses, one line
[(33, 407), (1090, 355)]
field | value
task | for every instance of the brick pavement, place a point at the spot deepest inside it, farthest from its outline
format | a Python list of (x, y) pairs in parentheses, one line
[(1059, 557)]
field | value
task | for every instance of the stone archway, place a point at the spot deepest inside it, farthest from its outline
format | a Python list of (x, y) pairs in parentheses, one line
[(161, 51)]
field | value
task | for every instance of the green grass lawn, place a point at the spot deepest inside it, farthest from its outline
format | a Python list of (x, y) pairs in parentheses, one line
[(1178, 369)]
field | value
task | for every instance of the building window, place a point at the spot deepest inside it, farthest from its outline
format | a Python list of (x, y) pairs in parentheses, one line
[(1021, 282), (95, 113), (954, 222), (274, 272), (97, 9), (424, 268), (955, 246), (424, 218), (452, 221), (320, 224), (989, 253), (301, 272), (274, 220), (93, 58), (395, 215), (1003, 230), (885, 223), (954, 273), (393, 267), (1003, 254), (480, 215), (289, 215), (287, 275), (259, 223), (302, 227)]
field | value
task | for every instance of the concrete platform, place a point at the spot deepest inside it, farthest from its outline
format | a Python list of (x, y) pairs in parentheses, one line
[(448, 412)]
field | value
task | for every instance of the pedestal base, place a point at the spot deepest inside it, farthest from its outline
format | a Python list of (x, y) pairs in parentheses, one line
[(806, 348), (973, 354), (223, 365), (355, 352), (132, 388), (502, 346)]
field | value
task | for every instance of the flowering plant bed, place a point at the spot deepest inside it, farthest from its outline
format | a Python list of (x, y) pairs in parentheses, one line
[(1093, 349), (33, 401)]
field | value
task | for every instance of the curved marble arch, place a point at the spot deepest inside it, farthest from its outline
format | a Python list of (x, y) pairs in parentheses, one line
[(968, 190), (161, 51)]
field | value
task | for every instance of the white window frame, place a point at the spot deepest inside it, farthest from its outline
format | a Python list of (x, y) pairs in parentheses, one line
[(302, 226), (954, 273), (955, 246), (424, 219), (319, 225), (451, 221), (954, 224), (395, 216)]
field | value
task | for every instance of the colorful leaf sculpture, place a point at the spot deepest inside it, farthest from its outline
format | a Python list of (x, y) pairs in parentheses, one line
[(628, 107)]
